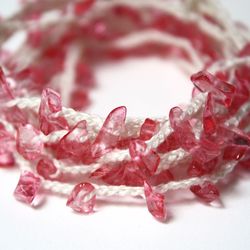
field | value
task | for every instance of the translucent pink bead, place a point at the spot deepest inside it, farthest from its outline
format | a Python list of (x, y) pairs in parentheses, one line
[(27, 187), (110, 133), (155, 202), (147, 160), (221, 90), (183, 132), (51, 104), (208, 192), (121, 173), (46, 168), (75, 143), (148, 129), (82, 199), (29, 142), (170, 143)]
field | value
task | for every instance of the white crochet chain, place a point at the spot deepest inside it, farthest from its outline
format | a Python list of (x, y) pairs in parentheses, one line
[(233, 39)]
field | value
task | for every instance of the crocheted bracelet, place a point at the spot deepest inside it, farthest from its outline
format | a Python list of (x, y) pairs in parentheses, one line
[(57, 147)]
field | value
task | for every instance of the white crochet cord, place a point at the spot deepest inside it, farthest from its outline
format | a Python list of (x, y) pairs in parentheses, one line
[(232, 37)]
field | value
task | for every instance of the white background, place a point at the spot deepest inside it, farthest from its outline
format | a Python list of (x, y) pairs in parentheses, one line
[(128, 225)]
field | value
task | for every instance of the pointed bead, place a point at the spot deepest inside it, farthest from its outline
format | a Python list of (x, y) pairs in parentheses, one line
[(27, 187), (46, 168), (110, 132), (121, 173), (148, 129), (51, 104), (208, 192), (75, 143), (206, 82), (155, 202), (82, 198), (29, 142)]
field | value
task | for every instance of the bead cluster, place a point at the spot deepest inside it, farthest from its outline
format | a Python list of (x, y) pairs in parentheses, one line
[(193, 148)]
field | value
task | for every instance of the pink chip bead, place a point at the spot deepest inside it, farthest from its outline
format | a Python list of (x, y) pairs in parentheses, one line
[(207, 192), (81, 200), (27, 187), (46, 168), (109, 135), (155, 202), (148, 129), (29, 142)]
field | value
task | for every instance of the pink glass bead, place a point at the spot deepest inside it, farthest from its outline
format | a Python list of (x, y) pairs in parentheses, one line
[(234, 152), (208, 192), (46, 168), (164, 176), (75, 143), (155, 202), (147, 160), (50, 105), (148, 129), (182, 128), (81, 199), (27, 187), (110, 132), (170, 143), (221, 90), (29, 142), (209, 122), (121, 173), (195, 169)]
